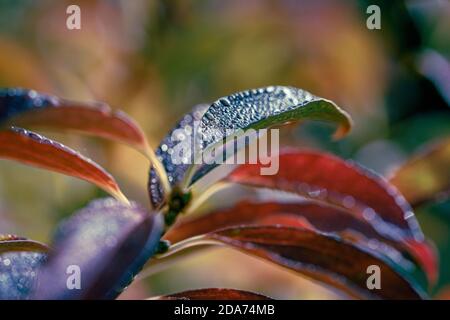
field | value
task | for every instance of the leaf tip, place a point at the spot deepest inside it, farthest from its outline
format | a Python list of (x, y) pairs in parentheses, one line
[(345, 126)]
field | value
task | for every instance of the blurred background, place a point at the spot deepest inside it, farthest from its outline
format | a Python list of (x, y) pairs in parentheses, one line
[(157, 59)]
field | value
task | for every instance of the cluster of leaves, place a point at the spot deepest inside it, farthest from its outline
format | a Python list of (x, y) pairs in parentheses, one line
[(338, 219)]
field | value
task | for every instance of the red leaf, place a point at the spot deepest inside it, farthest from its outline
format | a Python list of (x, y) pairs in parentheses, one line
[(284, 219), (426, 254), (214, 294), (308, 216), (32, 149), (20, 107), (321, 257), (326, 178)]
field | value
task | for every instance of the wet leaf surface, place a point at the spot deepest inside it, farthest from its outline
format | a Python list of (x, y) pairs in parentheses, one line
[(250, 109), (266, 107), (32, 149), (19, 262), (175, 172), (108, 241)]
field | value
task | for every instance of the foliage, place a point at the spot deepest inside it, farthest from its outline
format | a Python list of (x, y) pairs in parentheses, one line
[(339, 218)]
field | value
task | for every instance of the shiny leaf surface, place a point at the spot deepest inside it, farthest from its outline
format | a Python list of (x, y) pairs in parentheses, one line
[(175, 172), (250, 109)]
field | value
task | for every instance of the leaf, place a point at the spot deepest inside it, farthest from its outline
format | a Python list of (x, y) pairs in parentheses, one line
[(28, 108), (323, 218), (427, 256), (304, 215), (109, 242), (426, 176), (19, 262), (32, 149), (175, 172), (266, 107), (214, 294), (24, 108), (325, 178), (10, 243), (250, 109), (325, 258)]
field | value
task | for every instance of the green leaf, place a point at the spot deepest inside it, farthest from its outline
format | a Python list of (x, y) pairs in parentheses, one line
[(250, 109)]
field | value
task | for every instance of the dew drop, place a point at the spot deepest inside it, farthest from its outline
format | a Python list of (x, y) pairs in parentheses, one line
[(369, 214), (348, 202)]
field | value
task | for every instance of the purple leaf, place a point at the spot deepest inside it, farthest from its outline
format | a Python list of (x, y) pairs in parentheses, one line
[(19, 261), (108, 242)]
